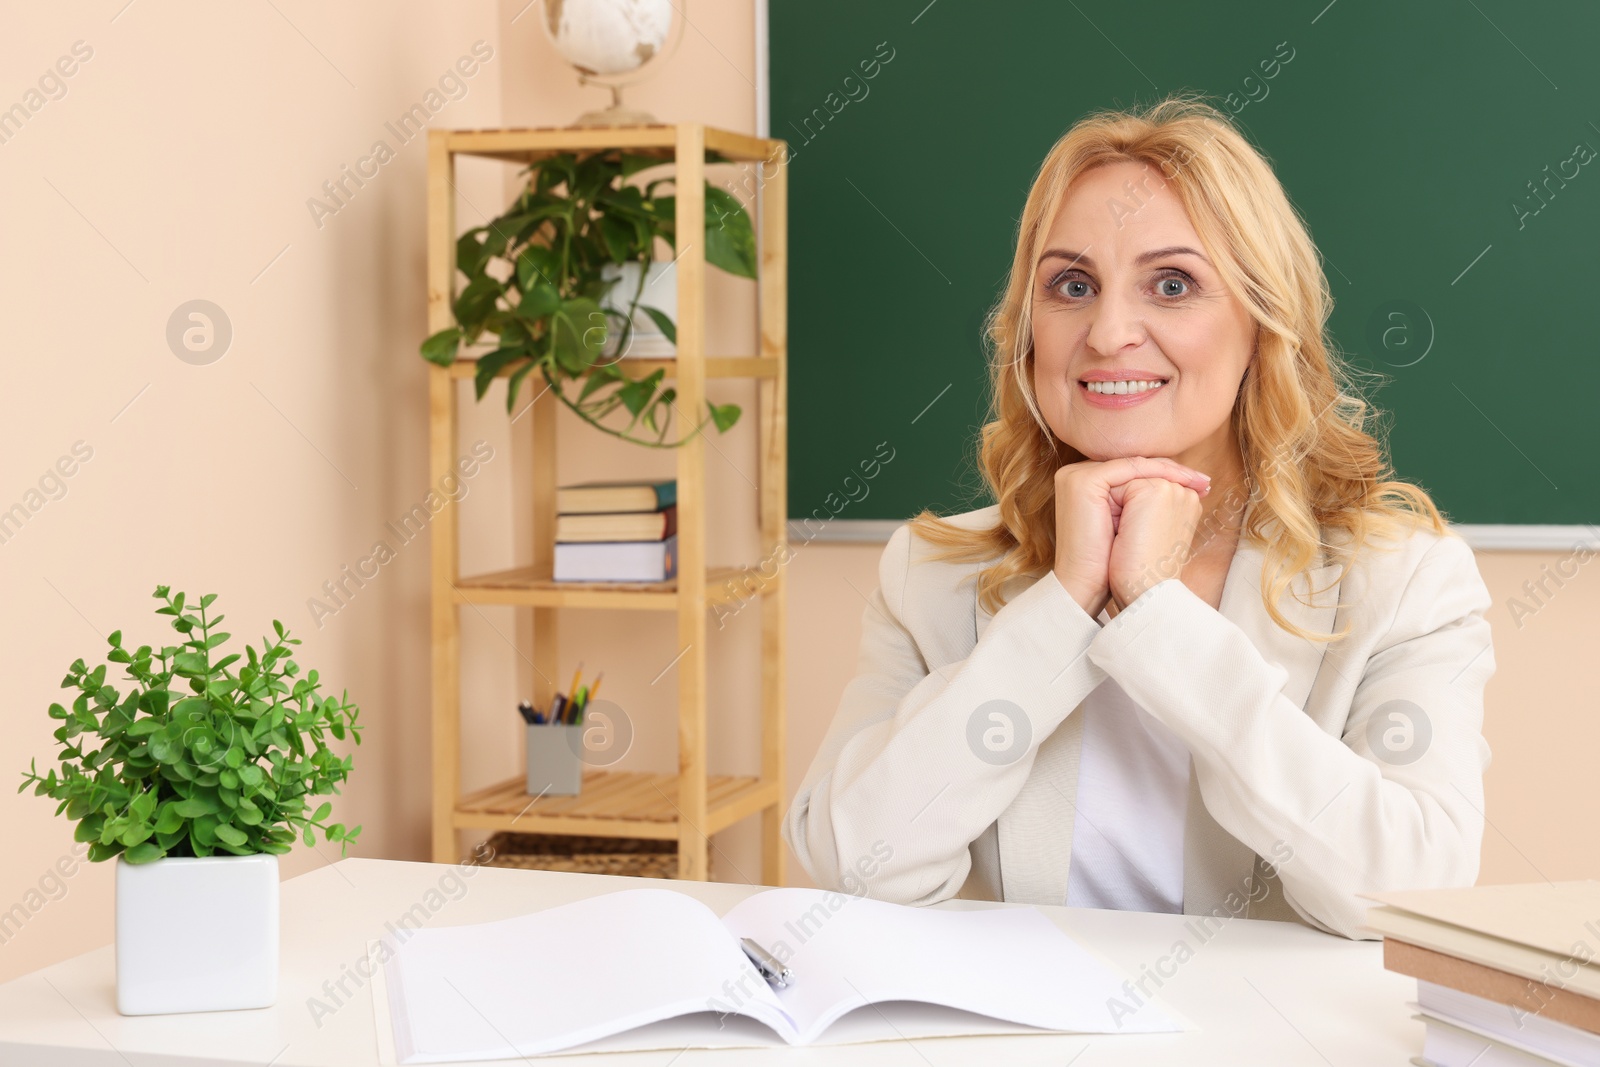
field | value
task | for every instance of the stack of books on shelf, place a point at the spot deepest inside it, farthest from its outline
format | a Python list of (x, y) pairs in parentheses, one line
[(1507, 975), (617, 531)]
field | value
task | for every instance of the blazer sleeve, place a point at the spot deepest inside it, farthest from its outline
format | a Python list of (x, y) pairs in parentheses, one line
[(1355, 813), (899, 788)]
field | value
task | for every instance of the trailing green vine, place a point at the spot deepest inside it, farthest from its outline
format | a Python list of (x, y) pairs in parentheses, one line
[(535, 283)]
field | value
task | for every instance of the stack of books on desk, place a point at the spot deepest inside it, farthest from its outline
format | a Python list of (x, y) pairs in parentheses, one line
[(1507, 976), (617, 531)]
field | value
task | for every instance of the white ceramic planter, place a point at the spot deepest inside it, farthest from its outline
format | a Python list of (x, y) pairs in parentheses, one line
[(660, 292), (197, 934)]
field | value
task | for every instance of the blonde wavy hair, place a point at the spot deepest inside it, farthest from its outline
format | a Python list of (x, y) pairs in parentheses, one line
[(1311, 465)]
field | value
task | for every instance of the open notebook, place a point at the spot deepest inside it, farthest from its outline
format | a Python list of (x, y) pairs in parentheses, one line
[(654, 968)]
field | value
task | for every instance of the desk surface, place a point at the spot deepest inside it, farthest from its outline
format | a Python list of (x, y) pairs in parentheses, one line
[(1261, 992)]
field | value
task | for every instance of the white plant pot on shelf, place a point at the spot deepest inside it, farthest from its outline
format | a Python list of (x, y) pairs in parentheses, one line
[(197, 934), (660, 292)]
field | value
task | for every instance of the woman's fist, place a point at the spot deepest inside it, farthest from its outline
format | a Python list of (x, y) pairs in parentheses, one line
[(1092, 499), (1154, 535)]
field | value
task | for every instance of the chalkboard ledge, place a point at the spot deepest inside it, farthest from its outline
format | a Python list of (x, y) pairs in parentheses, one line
[(1483, 537)]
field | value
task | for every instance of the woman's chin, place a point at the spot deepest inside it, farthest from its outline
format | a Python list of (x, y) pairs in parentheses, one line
[(1122, 450)]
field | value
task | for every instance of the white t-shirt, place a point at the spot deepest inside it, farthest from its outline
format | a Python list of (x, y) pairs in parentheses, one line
[(1132, 802)]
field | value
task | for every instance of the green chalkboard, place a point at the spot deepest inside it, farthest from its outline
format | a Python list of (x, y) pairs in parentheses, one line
[(1411, 136)]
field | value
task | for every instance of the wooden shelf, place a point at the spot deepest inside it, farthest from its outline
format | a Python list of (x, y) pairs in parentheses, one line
[(692, 803), (525, 145), (613, 804), (521, 586), (716, 367)]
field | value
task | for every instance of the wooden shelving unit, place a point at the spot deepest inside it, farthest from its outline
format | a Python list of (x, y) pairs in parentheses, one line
[(692, 804)]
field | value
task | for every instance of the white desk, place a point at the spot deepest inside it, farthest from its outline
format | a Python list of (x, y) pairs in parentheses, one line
[(1262, 992)]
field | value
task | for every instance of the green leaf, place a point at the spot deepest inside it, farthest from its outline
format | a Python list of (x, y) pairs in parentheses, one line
[(578, 334), (538, 263), (600, 375), (490, 365), (664, 211), (500, 234), (538, 302), (636, 394), (513, 383), (230, 835), (476, 301), (441, 348), (530, 222), (662, 321), (730, 238), (723, 415), (191, 709), (143, 806), (323, 811), (618, 237), (145, 852), (633, 164), (471, 257), (169, 819), (195, 807)]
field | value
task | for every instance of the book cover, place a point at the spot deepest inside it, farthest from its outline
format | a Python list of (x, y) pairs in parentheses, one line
[(618, 525), (630, 494), (617, 561)]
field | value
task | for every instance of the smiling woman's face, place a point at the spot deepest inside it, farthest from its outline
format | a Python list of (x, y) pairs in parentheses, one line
[(1138, 347)]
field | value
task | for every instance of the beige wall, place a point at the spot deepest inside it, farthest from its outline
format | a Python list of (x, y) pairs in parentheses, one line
[(178, 166)]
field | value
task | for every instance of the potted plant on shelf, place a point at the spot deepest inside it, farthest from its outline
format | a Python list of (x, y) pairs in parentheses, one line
[(539, 279), (196, 779)]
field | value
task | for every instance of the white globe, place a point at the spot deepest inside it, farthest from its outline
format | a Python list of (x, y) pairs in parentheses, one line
[(607, 37)]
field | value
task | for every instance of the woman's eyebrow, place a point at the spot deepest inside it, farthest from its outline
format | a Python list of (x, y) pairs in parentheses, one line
[(1143, 258)]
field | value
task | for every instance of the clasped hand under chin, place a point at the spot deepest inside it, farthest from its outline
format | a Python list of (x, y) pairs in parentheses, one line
[(1123, 525)]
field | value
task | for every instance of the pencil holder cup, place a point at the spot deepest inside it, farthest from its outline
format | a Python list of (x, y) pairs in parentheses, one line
[(554, 769)]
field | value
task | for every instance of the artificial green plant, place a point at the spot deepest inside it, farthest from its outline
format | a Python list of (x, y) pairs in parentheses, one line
[(195, 759)]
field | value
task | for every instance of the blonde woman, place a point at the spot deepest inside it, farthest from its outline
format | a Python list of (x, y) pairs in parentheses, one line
[(1205, 654)]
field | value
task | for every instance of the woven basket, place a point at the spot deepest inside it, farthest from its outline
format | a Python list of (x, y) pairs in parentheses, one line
[(632, 856)]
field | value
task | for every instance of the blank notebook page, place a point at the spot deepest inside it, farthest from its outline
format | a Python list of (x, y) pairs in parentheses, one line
[(1005, 963), (529, 984)]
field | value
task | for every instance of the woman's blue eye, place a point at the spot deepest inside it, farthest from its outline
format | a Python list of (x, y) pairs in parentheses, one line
[(1078, 288)]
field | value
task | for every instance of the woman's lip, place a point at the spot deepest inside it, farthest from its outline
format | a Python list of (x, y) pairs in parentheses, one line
[(1117, 400)]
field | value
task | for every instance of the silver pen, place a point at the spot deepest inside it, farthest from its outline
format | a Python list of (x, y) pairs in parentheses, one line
[(771, 969)]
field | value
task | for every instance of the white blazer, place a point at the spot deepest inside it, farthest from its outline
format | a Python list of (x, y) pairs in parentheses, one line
[(1319, 770)]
